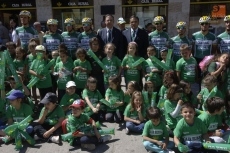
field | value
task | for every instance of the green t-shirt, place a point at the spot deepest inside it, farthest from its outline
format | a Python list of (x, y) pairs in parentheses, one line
[(149, 65), (46, 81), (84, 39), (52, 41), (133, 114), (211, 121), (203, 44), (19, 115), (68, 99), (53, 117), (20, 65), (70, 39), (94, 96), (176, 42), (114, 96), (131, 74), (65, 73), (186, 132), (29, 59), (223, 41), (76, 123), (25, 34), (80, 78), (169, 107), (159, 40), (156, 132), (112, 65), (187, 69)]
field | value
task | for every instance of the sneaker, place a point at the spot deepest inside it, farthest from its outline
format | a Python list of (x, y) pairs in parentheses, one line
[(88, 146), (126, 131), (56, 139), (106, 138)]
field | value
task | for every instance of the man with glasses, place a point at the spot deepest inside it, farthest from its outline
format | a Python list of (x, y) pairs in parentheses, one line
[(25, 32), (178, 40), (158, 38), (224, 38), (87, 34), (70, 37)]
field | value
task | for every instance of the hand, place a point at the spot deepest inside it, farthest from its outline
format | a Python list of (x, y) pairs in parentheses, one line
[(47, 134), (117, 104), (137, 122), (154, 70), (146, 75), (138, 108), (95, 110), (218, 133), (127, 67), (163, 146), (222, 66), (199, 97), (80, 134), (180, 102), (159, 143)]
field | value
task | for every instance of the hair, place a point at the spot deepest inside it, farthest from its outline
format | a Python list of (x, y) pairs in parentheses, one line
[(31, 44), (106, 45), (214, 104), (187, 105), (36, 40), (10, 44), (135, 44), (210, 79), (80, 51), (62, 46), (134, 95), (109, 15), (173, 89), (185, 47), (63, 52), (135, 85), (151, 48), (172, 75), (15, 21), (56, 51), (134, 16), (116, 80), (148, 24), (20, 49), (93, 40), (183, 84), (153, 113), (148, 83), (90, 80)]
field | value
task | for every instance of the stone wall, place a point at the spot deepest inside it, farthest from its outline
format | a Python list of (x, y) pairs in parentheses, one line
[(44, 10)]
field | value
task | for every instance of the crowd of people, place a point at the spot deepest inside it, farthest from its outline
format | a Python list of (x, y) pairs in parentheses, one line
[(184, 95)]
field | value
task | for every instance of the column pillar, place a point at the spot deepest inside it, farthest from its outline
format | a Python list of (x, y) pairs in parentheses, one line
[(44, 10)]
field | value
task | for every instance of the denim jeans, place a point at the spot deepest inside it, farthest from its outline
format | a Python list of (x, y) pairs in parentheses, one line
[(137, 128), (154, 147)]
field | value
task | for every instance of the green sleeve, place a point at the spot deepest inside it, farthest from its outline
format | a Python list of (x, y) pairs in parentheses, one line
[(99, 95), (108, 92), (204, 119), (212, 67), (146, 129), (179, 129), (60, 112), (41, 113), (9, 112), (63, 101), (168, 107), (127, 110), (178, 65), (123, 63), (84, 94)]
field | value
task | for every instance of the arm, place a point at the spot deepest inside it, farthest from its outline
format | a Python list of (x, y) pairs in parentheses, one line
[(41, 119), (90, 104), (176, 112), (176, 140), (56, 126), (152, 140), (178, 74), (127, 119)]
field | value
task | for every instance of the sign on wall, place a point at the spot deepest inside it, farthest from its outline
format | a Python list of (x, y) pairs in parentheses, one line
[(20, 4), (71, 3), (138, 2), (218, 11)]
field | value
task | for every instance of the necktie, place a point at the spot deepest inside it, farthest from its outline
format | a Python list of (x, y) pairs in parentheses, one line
[(109, 35), (133, 35)]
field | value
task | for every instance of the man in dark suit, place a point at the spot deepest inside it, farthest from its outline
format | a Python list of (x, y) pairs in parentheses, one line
[(110, 34), (137, 35)]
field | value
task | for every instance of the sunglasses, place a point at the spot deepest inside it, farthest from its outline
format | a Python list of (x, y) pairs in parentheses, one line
[(181, 28), (205, 23), (159, 23), (85, 24)]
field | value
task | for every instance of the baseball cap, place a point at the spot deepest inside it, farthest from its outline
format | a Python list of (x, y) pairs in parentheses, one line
[(121, 20), (78, 103), (70, 84), (49, 97), (40, 48), (15, 94)]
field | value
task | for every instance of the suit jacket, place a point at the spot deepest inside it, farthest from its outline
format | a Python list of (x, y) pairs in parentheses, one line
[(117, 40), (141, 40)]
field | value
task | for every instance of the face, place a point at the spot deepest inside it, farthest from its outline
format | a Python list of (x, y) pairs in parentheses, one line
[(12, 24), (55, 55), (69, 28), (12, 84), (15, 102), (188, 114), (50, 105), (185, 53), (112, 85), (121, 26), (151, 53), (41, 52), (86, 26), (32, 48), (11, 49), (177, 96), (155, 121), (81, 57), (92, 86), (71, 90), (63, 57), (150, 28), (224, 58), (204, 26), (209, 85), (150, 88), (163, 55), (220, 111), (38, 27), (181, 31), (187, 89), (159, 26), (19, 54), (134, 23), (95, 46), (24, 20), (109, 49), (169, 81), (109, 22), (227, 25), (76, 111), (137, 101), (130, 88), (131, 49), (53, 28)]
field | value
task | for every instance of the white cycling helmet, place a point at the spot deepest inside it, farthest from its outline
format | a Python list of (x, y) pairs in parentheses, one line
[(205, 19), (52, 22)]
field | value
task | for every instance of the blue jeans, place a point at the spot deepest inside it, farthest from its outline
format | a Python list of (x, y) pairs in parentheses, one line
[(137, 128), (154, 147)]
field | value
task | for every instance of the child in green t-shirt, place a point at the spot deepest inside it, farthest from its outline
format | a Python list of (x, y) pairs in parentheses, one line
[(77, 122), (134, 114), (190, 131), (163, 54), (212, 119), (69, 97), (172, 105), (92, 96), (48, 125), (111, 62), (150, 97), (155, 134), (115, 95), (81, 70)]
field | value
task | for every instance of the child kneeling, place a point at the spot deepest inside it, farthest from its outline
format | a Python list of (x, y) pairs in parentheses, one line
[(155, 134)]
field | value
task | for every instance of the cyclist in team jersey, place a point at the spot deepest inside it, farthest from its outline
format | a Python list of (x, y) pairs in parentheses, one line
[(87, 34), (25, 32), (52, 39), (178, 40), (204, 42), (158, 38), (224, 38), (70, 37)]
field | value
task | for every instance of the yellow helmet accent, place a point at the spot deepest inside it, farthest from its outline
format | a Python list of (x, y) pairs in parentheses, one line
[(69, 21), (52, 22), (26, 13), (227, 18), (181, 24), (86, 20), (204, 19), (158, 19)]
